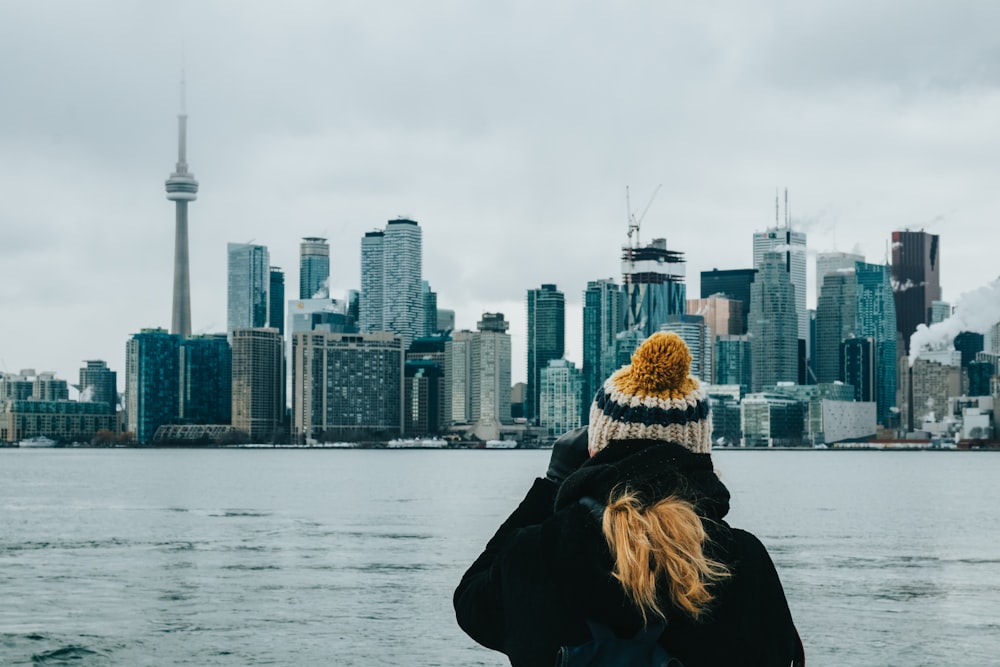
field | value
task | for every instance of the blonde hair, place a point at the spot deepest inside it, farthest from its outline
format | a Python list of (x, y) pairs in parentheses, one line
[(662, 542)]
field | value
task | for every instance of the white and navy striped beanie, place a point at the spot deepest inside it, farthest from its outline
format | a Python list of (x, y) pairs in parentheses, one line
[(653, 398)]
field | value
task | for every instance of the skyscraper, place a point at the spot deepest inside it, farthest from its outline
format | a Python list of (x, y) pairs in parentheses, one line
[(698, 336), (734, 284), (773, 324), (206, 380), (559, 402), (347, 386), (151, 382), (391, 282), (489, 376), (372, 276), (430, 308), (791, 245), (276, 299), (181, 189), (603, 319), (733, 362), (546, 339), (314, 268), (249, 280), (858, 303), (99, 384), (916, 279), (653, 279), (834, 262), (257, 383)]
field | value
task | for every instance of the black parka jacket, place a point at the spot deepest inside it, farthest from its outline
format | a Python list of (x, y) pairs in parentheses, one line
[(548, 570)]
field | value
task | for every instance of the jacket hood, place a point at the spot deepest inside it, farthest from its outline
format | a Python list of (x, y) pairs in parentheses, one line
[(652, 468), (572, 542)]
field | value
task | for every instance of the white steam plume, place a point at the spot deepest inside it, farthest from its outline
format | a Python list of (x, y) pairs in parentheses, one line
[(975, 311)]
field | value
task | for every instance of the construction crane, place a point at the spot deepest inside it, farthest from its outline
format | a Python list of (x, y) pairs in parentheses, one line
[(634, 222)]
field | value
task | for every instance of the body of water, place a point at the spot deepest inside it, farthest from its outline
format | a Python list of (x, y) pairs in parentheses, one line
[(350, 557)]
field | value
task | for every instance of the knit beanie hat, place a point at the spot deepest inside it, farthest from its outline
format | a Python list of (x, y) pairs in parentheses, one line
[(653, 398)]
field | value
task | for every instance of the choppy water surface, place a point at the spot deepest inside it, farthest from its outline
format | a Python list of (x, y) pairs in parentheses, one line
[(236, 557)]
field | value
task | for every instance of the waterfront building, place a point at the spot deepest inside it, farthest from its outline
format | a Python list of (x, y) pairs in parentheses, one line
[(733, 365), (17, 387), (152, 382), (733, 284), (182, 188), (99, 384), (858, 364), (248, 280), (934, 376), (653, 280), (61, 420), (391, 280), (276, 299), (698, 336), (546, 338), (257, 384), (206, 377), (773, 324), (980, 375), (457, 372), (517, 394), (603, 320), (772, 420), (725, 412), (478, 374), (347, 386), (372, 275), (423, 394), (830, 406), (47, 387), (560, 397), (916, 279), (314, 268)]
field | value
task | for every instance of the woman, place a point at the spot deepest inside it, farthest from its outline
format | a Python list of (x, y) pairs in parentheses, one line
[(627, 531)]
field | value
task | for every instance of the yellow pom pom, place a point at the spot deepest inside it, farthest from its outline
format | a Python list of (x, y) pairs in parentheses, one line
[(660, 367)]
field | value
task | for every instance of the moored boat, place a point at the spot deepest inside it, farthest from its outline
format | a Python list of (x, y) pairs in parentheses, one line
[(38, 441)]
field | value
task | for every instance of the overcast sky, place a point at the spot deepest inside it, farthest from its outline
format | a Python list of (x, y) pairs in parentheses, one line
[(508, 130)]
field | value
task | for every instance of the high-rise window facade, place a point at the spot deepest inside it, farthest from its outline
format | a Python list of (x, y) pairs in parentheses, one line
[(603, 319), (347, 386), (249, 279), (206, 369), (791, 245), (151, 382), (391, 280), (773, 324), (546, 339), (916, 279), (276, 299), (314, 268), (99, 384), (258, 409), (559, 398), (653, 279), (734, 284)]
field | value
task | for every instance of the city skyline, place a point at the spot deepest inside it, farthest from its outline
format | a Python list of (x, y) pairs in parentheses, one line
[(533, 195)]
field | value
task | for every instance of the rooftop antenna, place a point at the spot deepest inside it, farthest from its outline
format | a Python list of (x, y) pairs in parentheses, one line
[(775, 207), (788, 218)]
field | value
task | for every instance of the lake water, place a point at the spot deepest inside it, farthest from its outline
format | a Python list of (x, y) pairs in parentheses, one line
[(350, 557)]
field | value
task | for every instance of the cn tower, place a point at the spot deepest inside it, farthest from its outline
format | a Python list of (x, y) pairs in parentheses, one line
[(181, 189)]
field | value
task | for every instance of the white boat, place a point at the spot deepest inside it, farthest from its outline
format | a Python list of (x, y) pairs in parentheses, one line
[(501, 444), (417, 443), (38, 441)]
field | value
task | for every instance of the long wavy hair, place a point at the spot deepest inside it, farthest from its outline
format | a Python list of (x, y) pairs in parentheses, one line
[(660, 544)]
